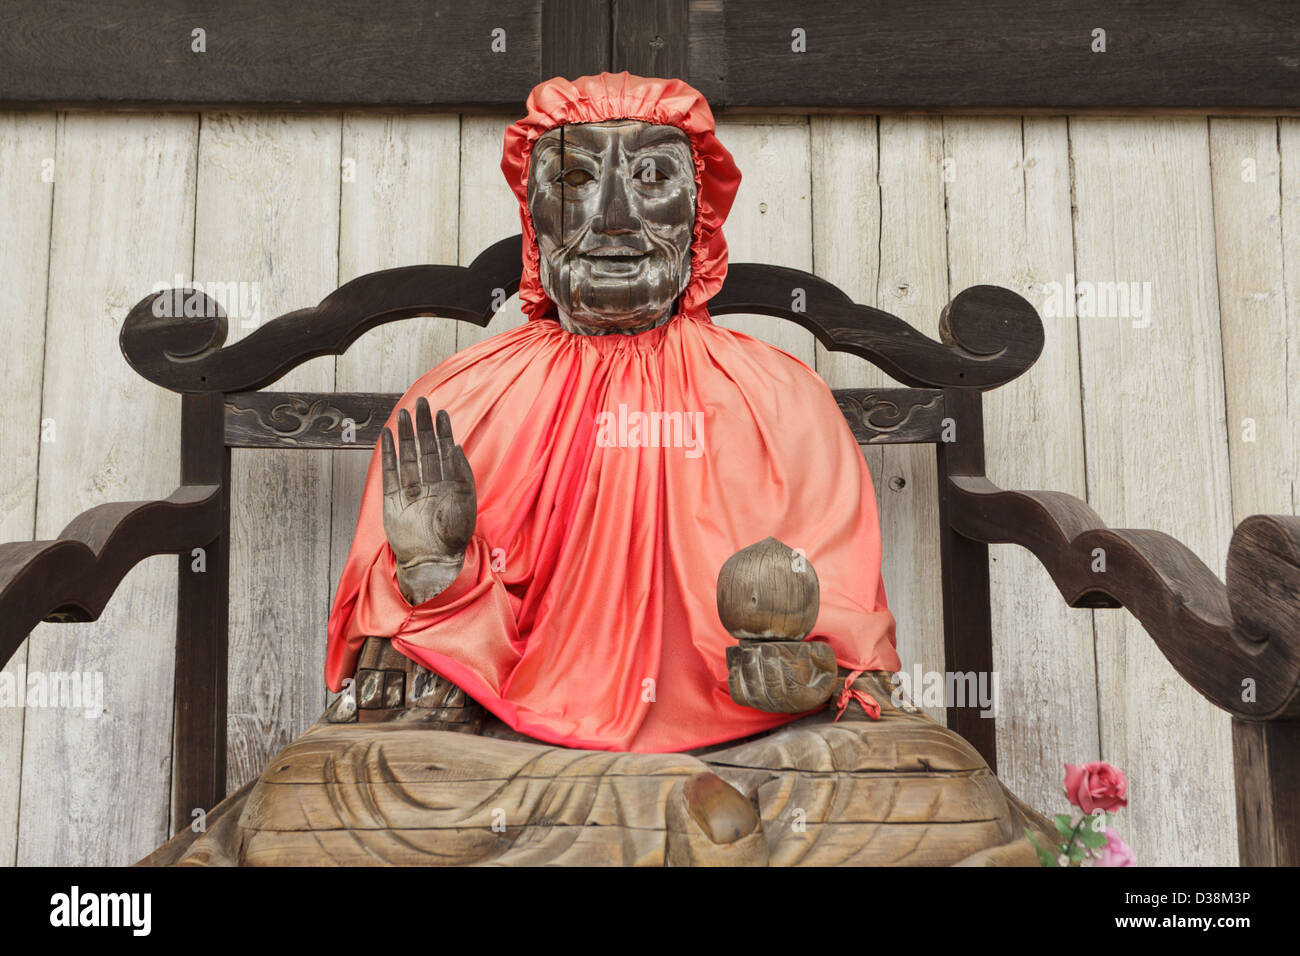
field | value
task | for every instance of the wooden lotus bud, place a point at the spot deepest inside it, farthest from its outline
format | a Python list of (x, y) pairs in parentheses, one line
[(768, 592)]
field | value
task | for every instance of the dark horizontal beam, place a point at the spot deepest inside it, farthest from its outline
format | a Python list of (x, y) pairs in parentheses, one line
[(953, 56), (347, 420)]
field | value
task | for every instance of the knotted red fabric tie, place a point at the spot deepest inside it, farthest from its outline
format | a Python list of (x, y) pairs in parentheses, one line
[(862, 697)]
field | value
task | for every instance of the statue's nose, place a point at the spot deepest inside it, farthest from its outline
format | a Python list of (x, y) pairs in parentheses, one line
[(616, 214)]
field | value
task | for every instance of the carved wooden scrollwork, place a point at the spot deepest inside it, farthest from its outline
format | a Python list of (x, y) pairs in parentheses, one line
[(295, 420), (892, 415)]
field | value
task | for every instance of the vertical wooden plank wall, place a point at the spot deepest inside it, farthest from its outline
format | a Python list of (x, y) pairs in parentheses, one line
[(913, 284), (268, 214), (1007, 187), (1157, 456), (27, 150), (96, 789), (1147, 422)]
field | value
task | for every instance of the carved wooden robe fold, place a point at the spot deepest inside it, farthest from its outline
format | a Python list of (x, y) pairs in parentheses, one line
[(898, 791)]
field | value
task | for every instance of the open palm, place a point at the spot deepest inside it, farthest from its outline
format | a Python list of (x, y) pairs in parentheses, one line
[(430, 504)]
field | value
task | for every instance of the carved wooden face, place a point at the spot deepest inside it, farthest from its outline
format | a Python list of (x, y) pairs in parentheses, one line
[(613, 205)]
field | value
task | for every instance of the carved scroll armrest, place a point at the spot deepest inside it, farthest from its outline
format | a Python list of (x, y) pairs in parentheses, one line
[(72, 577), (1238, 645)]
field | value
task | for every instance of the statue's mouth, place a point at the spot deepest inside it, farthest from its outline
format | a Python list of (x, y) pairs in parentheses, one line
[(615, 259), (616, 252)]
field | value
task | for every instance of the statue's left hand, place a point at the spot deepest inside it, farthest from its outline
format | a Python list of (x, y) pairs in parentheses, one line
[(768, 598), (781, 677), (430, 503)]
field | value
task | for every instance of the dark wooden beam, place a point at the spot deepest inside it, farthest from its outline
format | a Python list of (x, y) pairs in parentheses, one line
[(575, 37), (998, 56), (1005, 56), (964, 566), (1266, 758), (651, 37), (291, 54), (202, 613)]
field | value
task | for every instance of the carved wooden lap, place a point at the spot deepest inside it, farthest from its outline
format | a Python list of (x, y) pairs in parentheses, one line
[(894, 791)]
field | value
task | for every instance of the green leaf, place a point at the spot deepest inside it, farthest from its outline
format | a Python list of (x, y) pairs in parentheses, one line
[(1090, 835), (1044, 857)]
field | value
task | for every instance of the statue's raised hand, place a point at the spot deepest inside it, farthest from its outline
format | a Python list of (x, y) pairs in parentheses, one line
[(430, 505)]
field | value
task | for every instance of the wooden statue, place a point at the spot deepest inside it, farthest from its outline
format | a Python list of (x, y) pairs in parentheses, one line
[(410, 769)]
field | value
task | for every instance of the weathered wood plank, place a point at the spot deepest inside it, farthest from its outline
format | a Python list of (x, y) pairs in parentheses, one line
[(1007, 184), (912, 282), (1245, 165), (575, 37), (844, 167), (771, 219), (354, 420), (1267, 764), (116, 439), (1157, 455), (649, 37), (488, 212), (267, 217), (1001, 55), (27, 150), (294, 55), (1289, 141)]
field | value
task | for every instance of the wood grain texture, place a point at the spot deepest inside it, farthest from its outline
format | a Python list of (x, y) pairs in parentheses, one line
[(350, 421), (1268, 792), (199, 739), (575, 37), (912, 282), (26, 144), (267, 213), (901, 790), (1157, 455), (294, 55), (1256, 325), (117, 439), (488, 212), (844, 168), (1235, 644), (649, 37), (72, 577), (945, 56), (771, 219), (1289, 145), (1007, 189), (1001, 56)]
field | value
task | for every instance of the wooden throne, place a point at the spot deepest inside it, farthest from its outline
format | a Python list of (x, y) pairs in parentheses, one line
[(1216, 636)]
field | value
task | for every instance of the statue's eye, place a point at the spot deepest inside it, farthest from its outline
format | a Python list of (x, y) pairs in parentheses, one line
[(649, 171), (576, 177)]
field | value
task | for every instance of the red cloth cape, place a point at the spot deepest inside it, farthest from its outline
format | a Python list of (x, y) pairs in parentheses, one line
[(585, 614)]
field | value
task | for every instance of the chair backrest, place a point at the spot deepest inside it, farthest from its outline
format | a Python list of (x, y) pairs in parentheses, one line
[(990, 336), (175, 339)]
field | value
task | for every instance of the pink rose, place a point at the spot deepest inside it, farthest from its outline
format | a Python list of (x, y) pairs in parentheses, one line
[(1095, 786), (1116, 852)]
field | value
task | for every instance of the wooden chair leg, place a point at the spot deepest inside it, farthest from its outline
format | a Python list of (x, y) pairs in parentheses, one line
[(1266, 761), (967, 613)]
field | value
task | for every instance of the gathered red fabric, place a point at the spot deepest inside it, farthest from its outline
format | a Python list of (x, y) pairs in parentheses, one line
[(615, 475)]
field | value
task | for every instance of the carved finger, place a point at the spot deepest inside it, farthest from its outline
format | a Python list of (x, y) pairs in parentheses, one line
[(430, 469), (407, 463), (389, 453), (446, 443), (460, 469)]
